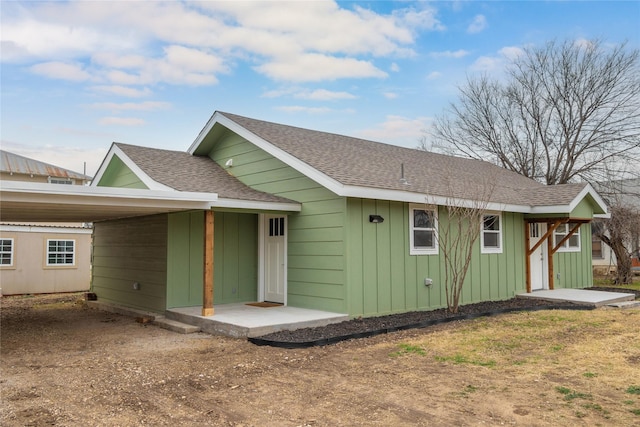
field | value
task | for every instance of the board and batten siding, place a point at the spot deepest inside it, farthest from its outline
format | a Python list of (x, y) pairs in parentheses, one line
[(316, 254), (118, 174), (573, 269), (235, 265), (384, 278), (129, 251)]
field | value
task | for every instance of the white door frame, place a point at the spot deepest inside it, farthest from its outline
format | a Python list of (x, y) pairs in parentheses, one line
[(539, 259), (262, 234)]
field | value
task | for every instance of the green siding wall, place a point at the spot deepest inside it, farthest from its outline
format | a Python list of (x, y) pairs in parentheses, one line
[(316, 271), (127, 251), (235, 265), (574, 268), (385, 278), (118, 174), (185, 256), (584, 210)]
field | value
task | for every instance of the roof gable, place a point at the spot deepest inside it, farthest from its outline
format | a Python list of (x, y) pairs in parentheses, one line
[(356, 167), (179, 171)]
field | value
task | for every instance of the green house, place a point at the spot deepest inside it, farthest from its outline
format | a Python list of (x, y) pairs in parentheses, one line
[(322, 221)]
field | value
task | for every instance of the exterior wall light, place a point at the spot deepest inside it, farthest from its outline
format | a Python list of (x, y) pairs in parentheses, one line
[(376, 219)]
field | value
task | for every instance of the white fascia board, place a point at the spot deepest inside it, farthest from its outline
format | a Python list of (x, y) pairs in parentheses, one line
[(44, 229), (603, 216), (407, 196), (257, 205), (146, 179), (292, 161), (42, 192), (550, 209), (588, 190)]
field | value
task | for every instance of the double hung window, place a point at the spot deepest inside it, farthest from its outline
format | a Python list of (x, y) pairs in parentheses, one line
[(60, 252), (6, 252), (423, 231), (491, 237)]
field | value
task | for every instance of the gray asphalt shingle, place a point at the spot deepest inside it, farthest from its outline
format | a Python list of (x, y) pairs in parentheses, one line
[(358, 162)]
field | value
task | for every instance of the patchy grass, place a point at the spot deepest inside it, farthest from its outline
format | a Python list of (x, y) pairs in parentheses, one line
[(607, 281), (633, 389), (586, 359), (460, 359), (408, 349)]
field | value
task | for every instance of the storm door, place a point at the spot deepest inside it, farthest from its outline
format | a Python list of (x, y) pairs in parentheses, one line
[(275, 258)]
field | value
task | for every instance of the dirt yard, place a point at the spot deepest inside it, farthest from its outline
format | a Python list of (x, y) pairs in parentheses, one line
[(67, 365)]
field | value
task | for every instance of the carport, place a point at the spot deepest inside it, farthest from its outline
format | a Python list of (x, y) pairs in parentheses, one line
[(27, 202)]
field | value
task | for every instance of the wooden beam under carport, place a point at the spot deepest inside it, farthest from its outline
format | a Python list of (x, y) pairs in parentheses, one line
[(207, 285)]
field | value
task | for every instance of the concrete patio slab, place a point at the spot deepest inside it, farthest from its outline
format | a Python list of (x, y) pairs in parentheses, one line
[(242, 320), (580, 296)]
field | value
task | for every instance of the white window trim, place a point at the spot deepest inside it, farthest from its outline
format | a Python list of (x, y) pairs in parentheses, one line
[(491, 250), (75, 247), (565, 246), (12, 253), (62, 181), (423, 251)]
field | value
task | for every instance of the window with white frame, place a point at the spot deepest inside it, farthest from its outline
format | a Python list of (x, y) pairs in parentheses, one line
[(491, 238), (6, 252), (61, 252), (572, 244), (66, 181), (423, 230)]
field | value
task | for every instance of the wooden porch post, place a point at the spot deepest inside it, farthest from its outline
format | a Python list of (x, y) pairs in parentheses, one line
[(550, 256), (207, 285), (527, 258)]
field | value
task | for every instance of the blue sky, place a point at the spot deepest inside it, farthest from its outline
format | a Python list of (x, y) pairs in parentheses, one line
[(77, 76)]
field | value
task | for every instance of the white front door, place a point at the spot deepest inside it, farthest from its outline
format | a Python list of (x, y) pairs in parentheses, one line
[(275, 258), (539, 276)]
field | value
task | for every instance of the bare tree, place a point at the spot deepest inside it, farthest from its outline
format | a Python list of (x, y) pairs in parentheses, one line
[(621, 232), (458, 231), (564, 112)]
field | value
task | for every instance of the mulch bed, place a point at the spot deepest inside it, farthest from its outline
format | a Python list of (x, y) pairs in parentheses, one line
[(370, 326)]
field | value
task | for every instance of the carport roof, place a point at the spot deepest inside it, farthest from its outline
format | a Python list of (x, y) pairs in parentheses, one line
[(41, 202)]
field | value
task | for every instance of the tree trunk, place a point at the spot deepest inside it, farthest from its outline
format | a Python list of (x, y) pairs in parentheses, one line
[(623, 268)]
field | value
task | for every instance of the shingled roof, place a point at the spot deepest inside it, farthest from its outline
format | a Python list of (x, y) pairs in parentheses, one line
[(362, 163), (184, 172)]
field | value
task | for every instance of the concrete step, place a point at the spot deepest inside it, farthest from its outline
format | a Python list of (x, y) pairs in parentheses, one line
[(175, 326), (625, 304)]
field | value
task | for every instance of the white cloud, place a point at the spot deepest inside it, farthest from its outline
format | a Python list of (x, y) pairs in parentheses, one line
[(124, 91), (399, 130), (497, 63), (302, 109), (121, 121), (135, 106), (478, 24), (511, 52), (395, 67), (144, 43), (61, 71), (317, 67), (390, 95), (449, 54), (434, 75), (324, 95)]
